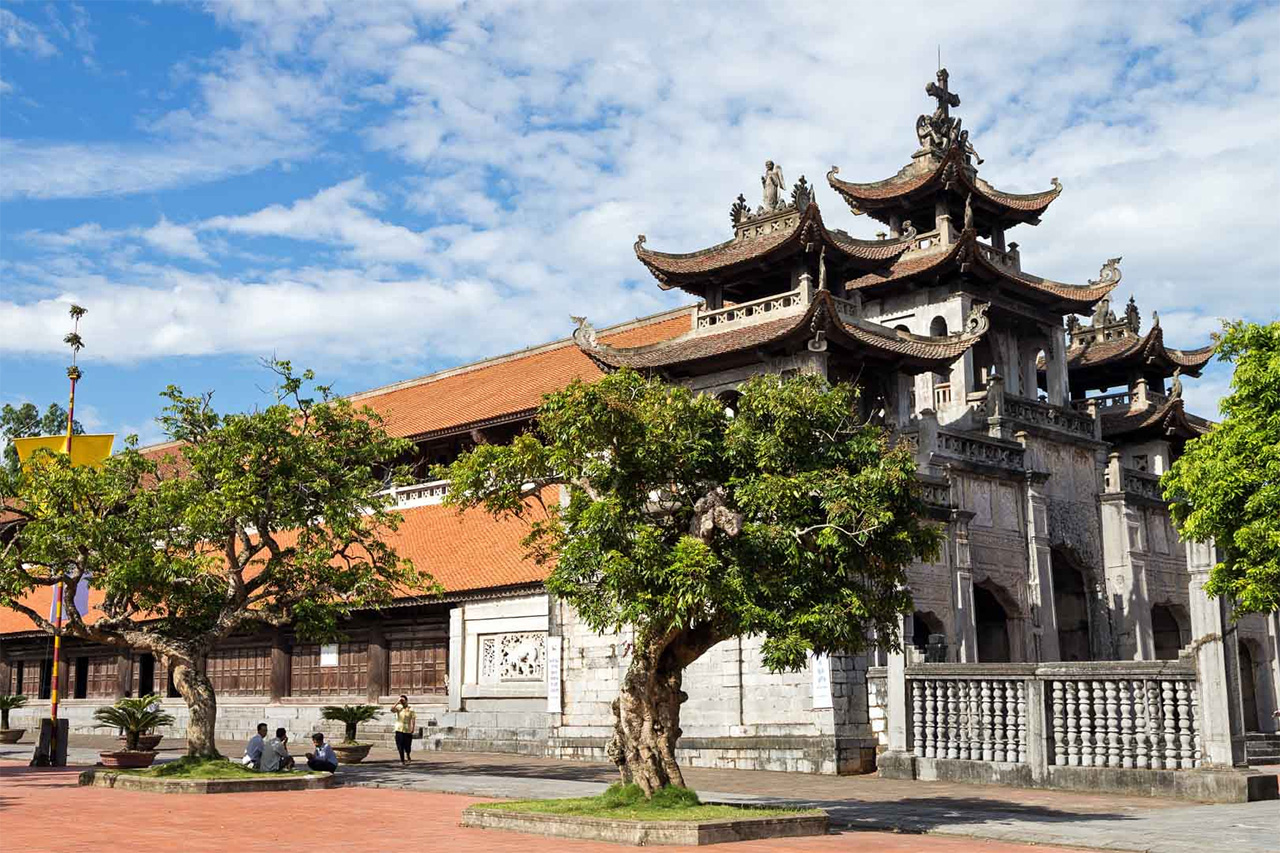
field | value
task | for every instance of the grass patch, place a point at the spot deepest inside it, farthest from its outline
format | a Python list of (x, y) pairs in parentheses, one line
[(628, 803), (189, 767)]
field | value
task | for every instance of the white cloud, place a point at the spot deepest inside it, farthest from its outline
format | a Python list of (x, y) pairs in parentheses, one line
[(537, 141), (19, 34)]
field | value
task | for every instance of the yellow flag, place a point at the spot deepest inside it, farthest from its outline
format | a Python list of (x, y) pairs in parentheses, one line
[(91, 450)]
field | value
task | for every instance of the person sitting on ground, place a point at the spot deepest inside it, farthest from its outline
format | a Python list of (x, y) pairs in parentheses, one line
[(253, 750), (323, 757), (276, 757), (406, 724)]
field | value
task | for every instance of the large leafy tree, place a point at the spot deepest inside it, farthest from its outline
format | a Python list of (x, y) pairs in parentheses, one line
[(275, 516), (787, 517), (25, 421), (1226, 485)]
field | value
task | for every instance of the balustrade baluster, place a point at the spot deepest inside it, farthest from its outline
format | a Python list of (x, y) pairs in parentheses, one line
[(1099, 724), (931, 719), (999, 721), (1195, 725), (953, 720), (1123, 688), (1072, 724), (1184, 725), (1169, 725), (917, 717), (1058, 712), (1140, 724), (1155, 725), (1113, 724), (1086, 723), (1019, 689), (987, 731), (964, 721)]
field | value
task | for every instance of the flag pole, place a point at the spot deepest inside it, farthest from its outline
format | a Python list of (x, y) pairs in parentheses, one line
[(73, 373)]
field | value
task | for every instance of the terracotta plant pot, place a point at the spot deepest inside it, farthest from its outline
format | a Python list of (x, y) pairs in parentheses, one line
[(11, 735), (147, 743), (351, 753), (126, 759)]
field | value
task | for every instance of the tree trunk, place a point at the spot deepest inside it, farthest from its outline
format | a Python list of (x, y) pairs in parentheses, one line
[(195, 687), (647, 723)]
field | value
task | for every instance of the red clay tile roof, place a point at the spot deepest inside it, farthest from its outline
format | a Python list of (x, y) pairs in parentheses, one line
[(504, 386), (745, 248), (1136, 350), (464, 552)]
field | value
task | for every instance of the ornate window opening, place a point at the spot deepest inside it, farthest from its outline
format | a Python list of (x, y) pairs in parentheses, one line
[(508, 658)]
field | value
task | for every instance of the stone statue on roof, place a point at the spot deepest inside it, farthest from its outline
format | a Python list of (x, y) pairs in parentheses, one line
[(774, 186), (1131, 316), (939, 129)]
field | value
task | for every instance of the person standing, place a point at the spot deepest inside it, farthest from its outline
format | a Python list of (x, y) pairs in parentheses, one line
[(406, 725)]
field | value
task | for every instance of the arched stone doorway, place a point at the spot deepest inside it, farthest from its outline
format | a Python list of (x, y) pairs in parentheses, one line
[(929, 637), (1166, 631), (992, 622), (1071, 609), (1248, 689)]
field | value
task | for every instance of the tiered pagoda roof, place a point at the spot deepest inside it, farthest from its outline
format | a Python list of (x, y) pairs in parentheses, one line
[(978, 260), (763, 239), (827, 321), (943, 170), (1111, 352), (1167, 419)]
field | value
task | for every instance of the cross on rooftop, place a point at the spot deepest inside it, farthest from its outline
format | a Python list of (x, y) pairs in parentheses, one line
[(946, 98)]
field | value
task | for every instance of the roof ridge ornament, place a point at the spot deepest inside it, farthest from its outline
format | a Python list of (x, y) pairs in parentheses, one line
[(585, 334), (739, 211), (773, 185), (977, 322), (1109, 274), (801, 195), (938, 132)]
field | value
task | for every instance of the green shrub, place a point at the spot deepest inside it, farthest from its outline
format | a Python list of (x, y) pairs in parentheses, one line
[(7, 704), (350, 716), (135, 716)]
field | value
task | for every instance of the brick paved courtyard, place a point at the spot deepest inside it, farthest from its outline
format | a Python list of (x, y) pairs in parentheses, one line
[(38, 804)]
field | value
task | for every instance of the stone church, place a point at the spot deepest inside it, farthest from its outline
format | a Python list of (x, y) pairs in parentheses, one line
[(1041, 418)]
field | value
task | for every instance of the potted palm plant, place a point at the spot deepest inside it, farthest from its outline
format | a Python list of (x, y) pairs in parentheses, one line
[(350, 751), (135, 717), (7, 704)]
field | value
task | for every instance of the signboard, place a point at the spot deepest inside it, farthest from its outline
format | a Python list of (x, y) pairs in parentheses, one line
[(554, 647), (329, 655), (820, 667)]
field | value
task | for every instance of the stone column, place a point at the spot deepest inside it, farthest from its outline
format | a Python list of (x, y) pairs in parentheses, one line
[(997, 426), (1056, 366), (379, 663), (1044, 619), (946, 233), (896, 688), (928, 439), (456, 642), (279, 667), (1217, 665), (965, 619)]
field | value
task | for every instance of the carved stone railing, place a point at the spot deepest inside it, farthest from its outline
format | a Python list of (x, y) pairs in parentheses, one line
[(982, 449), (1140, 715), (1035, 413), (1141, 483), (421, 494), (991, 254), (756, 310), (936, 491), (1119, 400), (927, 240), (1141, 722)]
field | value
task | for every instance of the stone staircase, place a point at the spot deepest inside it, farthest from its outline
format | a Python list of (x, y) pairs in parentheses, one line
[(1262, 748)]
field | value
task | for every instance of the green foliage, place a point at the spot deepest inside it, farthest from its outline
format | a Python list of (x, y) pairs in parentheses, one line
[(350, 716), (8, 703), (1226, 485), (135, 716), (193, 767), (790, 519), (25, 421), (276, 515), (671, 797)]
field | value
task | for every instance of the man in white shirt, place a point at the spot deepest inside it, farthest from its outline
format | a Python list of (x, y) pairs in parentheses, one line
[(323, 758), (275, 756), (253, 751)]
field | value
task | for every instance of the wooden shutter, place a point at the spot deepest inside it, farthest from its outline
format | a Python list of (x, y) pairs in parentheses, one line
[(418, 665), (349, 678), (101, 680), (241, 671)]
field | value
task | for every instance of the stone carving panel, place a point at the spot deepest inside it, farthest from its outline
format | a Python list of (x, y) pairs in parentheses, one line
[(513, 657), (1006, 507), (978, 501)]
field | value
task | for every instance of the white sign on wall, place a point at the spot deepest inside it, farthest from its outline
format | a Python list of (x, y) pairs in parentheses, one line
[(554, 647), (329, 655), (820, 667)]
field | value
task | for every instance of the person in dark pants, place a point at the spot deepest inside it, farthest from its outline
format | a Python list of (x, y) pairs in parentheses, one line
[(406, 725), (322, 757)]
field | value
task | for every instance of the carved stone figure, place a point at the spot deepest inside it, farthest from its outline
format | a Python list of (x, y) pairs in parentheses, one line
[(774, 185), (739, 210), (908, 230), (977, 322), (585, 333), (1109, 274), (801, 194), (968, 212), (1102, 313), (1175, 390), (939, 130)]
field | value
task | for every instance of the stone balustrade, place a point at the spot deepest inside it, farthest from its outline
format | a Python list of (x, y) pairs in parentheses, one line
[(974, 447), (1119, 400), (757, 310), (1141, 715), (420, 494), (927, 240), (991, 254), (1034, 413)]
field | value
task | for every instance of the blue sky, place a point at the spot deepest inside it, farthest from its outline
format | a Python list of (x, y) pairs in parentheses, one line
[(382, 190)]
